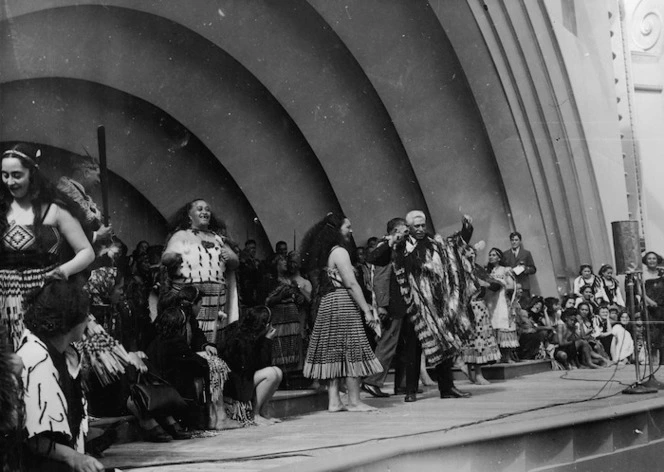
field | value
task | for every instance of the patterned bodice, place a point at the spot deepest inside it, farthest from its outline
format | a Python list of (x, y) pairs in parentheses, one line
[(201, 259), (20, 246)]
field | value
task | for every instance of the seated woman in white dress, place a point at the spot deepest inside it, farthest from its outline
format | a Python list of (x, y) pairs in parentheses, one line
[(622, 346)]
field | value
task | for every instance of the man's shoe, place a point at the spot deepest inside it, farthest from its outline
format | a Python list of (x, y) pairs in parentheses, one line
[(374, 391), (402, 391), (455, 393), (410, 397)]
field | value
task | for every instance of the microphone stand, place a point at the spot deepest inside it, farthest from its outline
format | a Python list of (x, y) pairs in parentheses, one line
[(639, 387), (652, 382)]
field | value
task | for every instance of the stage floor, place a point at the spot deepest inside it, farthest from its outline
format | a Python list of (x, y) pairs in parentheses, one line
[(311, 441)]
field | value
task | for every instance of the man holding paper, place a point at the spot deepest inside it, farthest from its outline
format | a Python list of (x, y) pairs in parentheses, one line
[(521, 262)]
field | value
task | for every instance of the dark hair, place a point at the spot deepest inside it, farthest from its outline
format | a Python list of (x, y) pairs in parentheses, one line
[(516, 233), (585, 266), (281, 243), (569, 313), (550, 302), (500, 255), (41, 190), (171, 322), (645, 257), (189, 295), (319, 241), (590, 309), (535, 300), (254, 321), (181, 219), (249, 241), (603, 269), (393, 223), (602, 306), (372, 239), (586, 287), (56, 308)]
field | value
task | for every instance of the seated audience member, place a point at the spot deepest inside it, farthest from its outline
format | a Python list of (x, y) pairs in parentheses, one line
[(568, 301), (622, 343), (183, 357), (553, 310), (609, 288), (572, 349), (602, 327), (55, 319), (11, 405), (588, 297), (247, 347), (586, 277), (588, 328), (533, 329)]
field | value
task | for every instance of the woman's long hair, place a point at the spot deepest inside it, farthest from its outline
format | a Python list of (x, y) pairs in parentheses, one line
[(319, 241), (181, 221), (41, 190)]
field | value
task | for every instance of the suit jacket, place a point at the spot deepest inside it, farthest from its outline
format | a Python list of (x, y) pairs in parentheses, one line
[(382, 256), (523, 257)]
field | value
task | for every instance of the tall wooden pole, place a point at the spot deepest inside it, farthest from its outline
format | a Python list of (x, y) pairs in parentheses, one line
[(103, 171)]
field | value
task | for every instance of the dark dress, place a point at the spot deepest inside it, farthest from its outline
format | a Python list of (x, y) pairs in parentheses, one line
[(28, 253)]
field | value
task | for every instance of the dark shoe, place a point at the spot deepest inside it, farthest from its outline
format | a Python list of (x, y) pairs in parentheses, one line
[(410, 397), (374, 391), (455, 393), (156, 434), (98, 445), (176, 431), (402, 391)]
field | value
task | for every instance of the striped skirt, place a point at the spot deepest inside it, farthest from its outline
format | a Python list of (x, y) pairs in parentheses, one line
[(338, 346), (14, 284)]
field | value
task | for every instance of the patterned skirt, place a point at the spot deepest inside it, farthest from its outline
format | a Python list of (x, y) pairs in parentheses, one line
[(338, 345), (218, 375), (507, 338), (14, 284), (287, 344), (482, 347)]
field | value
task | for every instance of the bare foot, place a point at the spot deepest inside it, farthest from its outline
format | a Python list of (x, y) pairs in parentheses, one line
[(361, 407), (262, 421), (480, 380), (227, 423), (336, 408)]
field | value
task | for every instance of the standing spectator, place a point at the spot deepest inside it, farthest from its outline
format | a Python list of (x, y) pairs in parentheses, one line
[(281, 249), (654, 301), (399, 337), (372, 242), (250, 275), (284, 301), (432, 277), (37, 220), (521, 261), (363, 271), (198, 253), (338, 347), (482, 348), (499, 303)]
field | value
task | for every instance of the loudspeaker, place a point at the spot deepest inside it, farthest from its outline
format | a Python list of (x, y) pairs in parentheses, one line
[(627, 246)]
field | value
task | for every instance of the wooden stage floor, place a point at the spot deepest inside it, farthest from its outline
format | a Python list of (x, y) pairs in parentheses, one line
[(325, 441)]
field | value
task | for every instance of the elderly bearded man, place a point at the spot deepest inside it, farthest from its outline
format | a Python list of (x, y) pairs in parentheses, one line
[(432, 276)]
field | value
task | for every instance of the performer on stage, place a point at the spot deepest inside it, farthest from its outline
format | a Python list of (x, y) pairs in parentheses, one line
[(432, 277)]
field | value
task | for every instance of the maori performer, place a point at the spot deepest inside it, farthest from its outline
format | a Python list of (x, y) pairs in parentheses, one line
[(432, 277)]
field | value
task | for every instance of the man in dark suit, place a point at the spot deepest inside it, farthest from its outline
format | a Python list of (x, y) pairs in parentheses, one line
[(399, 335), (521, 261)]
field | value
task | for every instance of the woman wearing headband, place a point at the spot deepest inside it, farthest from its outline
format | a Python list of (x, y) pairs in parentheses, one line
[(42, 237)]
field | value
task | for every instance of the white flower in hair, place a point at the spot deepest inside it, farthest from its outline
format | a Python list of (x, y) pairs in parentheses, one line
[(479, 245)]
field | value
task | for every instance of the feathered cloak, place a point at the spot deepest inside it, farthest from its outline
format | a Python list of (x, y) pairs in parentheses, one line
[(433, 280)]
